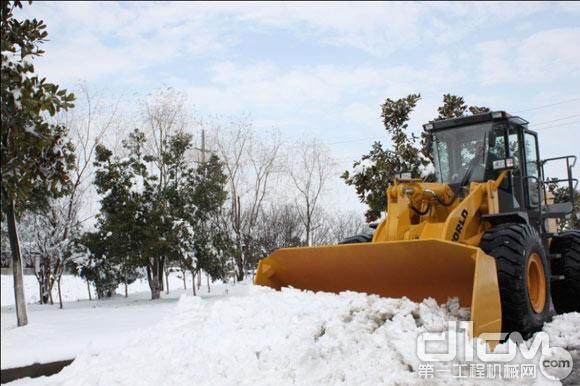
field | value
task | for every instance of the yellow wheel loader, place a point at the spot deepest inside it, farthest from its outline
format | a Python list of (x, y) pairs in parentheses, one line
[(481, 233)]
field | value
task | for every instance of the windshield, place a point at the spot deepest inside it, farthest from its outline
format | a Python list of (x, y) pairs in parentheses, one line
[(464, 154)]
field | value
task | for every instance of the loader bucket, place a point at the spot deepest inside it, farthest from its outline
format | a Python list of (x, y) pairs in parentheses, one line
[(416, 269)]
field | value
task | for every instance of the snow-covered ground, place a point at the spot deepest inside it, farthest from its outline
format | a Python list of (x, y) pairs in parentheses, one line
[(82, 325), (278, 338), (73, 288)]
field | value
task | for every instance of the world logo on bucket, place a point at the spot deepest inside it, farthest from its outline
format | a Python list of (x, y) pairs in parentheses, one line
[(511, 360)]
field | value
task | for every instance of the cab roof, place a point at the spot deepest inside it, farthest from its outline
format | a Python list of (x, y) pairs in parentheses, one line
[(472, 119)]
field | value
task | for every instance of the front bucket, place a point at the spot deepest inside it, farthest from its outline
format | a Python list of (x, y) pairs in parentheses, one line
[(417, 269)]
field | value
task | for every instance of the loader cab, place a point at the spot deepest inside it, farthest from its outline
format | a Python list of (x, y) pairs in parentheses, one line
[(478, 147)]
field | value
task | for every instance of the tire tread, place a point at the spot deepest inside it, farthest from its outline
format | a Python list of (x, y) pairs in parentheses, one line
[(510, 245), (566, 292)]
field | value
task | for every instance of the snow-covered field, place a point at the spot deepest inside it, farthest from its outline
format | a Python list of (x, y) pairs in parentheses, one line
[(74, 288), (279, 338), (82, 325)]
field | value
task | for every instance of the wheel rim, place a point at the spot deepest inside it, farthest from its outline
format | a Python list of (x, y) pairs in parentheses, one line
[(536, 281)]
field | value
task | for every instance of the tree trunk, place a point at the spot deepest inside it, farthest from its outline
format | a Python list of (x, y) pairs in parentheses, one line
[(99, 290), (184, 281), (19, 299), (199, 280), (89, 290), (207, 278), (45, 293), (308, 233), (160, 271), (240, 260), (59, 293), (240, 273), (126, 290), (155, 292), (193, 282), (153, 278), (166, 282), (38, 276), (46, 272)]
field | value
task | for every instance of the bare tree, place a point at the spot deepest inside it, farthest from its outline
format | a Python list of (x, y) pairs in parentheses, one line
[(46, 238), (322, 226), (279, 226), (309, 167), (94, 118), (334, 225), (343, 224), (250, 162), (165, 114), (49, 232)]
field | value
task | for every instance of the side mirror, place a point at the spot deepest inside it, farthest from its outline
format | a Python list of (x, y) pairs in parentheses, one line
[(492, 139)]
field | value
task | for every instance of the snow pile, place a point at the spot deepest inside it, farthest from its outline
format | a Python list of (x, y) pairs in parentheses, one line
[(280, 338), (272, 338), (564, 331)]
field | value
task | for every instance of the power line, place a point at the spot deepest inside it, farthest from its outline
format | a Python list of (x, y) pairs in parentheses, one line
[(520, 111), (548, 105), (558, 125), (558, 119), (351, 140)]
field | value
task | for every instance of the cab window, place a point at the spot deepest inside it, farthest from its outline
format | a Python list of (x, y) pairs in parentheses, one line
[(516, 173)]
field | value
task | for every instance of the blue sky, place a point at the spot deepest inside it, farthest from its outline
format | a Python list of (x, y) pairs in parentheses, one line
[(324, 68)]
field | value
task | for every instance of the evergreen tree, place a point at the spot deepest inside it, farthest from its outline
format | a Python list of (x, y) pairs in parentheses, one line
[(131, 214), (562, 194), (92, 263), (149, 224), (35, 153), (212, 244), (375, 171)]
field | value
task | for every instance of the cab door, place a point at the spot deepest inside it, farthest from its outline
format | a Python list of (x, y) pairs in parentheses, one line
[(516, 175), (532, 170)]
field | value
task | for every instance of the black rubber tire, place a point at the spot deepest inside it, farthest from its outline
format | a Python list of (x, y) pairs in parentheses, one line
[(566, 292), (511, 245), (362, 238)]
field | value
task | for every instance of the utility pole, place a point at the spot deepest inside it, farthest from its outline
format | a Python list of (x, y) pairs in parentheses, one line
[(203, 150)]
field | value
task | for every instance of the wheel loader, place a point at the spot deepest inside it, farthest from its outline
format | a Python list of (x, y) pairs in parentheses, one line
[(484, 232)]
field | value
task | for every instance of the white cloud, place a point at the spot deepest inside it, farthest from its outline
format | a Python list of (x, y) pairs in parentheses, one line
[(380, 29), (92, 40), (541, 57), (97, 39), (335, 103), (374, 28), (143, 43)]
